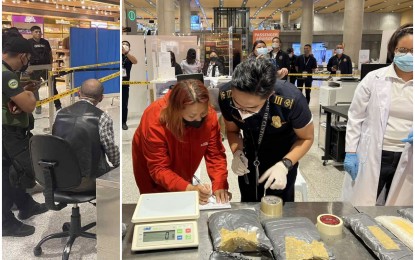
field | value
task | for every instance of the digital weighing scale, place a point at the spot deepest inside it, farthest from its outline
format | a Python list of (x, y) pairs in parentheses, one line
[(166, 220)]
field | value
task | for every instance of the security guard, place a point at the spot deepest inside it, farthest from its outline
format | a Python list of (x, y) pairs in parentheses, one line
[(306, 64), (17, 103), (340, 62), (276, 126), (281, 58)]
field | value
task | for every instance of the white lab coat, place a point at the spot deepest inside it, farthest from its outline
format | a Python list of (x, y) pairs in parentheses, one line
[(367, 119)]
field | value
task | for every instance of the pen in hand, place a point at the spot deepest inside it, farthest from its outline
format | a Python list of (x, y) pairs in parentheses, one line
[(199, 182)]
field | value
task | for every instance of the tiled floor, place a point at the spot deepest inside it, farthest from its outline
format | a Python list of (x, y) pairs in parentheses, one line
[(311, 167), (52, 221)]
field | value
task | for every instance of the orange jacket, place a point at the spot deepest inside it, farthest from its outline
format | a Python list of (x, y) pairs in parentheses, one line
[(162, 163)]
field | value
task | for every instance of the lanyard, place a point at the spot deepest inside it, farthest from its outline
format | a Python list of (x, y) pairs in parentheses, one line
[(261, 135), (339, 61), (305, 64), (123, 62)]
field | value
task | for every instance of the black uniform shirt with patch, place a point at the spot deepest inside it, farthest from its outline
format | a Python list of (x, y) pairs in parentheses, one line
[(10, 83), (288, 111), (40, 52)]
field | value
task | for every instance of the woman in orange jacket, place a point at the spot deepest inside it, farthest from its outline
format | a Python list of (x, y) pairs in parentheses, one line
[(175, 133)]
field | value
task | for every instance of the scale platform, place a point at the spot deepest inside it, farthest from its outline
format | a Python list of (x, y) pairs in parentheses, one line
[(166, 220)]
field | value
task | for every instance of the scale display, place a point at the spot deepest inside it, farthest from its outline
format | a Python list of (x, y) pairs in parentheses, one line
[(158, 236)]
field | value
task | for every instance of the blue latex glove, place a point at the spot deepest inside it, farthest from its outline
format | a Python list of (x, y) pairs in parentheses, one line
[(351, 164), (409, 139)]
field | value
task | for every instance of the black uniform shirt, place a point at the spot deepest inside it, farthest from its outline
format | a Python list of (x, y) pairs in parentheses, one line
[(293, 61), (127, 65), (282, 59), (344, 63), (288, 110), (40, 52), (306, 63)]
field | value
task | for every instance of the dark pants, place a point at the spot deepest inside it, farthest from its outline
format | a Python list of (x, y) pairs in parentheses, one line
[(389, 163), (43, 73), (293, 78), (125, 96), (307, 82), (11, 193)]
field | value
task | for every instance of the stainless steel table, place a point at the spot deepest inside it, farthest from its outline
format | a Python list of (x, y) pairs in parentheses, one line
[(348, 247), (380, 211), (108, 217)]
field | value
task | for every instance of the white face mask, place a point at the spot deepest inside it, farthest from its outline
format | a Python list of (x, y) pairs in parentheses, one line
[(339, 51), (275, 45), (262, 51), (290, 55), (245, 115), (125, 47)]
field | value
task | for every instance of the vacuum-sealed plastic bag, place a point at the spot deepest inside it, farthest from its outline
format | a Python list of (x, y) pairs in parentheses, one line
[(238, 231), (407, 213), (241, 256), (296, 238), (400, 227), (382, 242)]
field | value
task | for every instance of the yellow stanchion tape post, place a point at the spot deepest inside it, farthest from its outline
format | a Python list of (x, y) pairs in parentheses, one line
[(83, 67), (135, 82), (74, 90)]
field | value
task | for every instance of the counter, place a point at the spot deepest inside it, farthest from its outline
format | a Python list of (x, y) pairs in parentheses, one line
[(108, 217), (347, 248)]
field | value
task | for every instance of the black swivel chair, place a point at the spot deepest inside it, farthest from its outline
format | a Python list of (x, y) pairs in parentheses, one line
[(56, 168)]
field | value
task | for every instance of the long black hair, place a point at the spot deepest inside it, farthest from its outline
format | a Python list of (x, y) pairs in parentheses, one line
[(191, 56)]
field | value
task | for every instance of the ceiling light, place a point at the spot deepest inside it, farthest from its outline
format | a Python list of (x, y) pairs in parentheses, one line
[(83, 7)]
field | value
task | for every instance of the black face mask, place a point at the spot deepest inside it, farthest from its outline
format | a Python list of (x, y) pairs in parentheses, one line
[(195, 124), (214, 59), (24, 67)]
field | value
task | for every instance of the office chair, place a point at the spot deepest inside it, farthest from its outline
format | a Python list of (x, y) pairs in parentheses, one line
[(56, 169)]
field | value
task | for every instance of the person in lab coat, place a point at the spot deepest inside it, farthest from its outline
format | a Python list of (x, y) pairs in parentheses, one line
[(379, 131), (175, 133)]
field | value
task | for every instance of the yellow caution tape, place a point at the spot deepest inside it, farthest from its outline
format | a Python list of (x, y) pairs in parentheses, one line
[(135, 82), (83, 67), (74, 90)]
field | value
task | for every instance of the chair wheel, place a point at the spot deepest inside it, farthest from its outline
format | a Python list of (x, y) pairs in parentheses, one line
[(37, 251), (66, 226)]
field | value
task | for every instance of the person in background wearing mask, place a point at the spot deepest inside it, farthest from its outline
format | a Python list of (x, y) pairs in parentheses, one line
[(293, 60), (41, 55), (175, 133), (277, 128), (340, 62), (127, 60), (18, 102), (380, 129), (259, 51), (177, 68), (306, 64), (281, 58), (191, 65), (213, 67)]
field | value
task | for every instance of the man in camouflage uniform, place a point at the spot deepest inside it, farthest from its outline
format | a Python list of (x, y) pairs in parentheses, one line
[(18, 102)]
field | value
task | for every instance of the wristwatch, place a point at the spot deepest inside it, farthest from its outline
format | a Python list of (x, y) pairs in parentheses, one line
[(287, 163)]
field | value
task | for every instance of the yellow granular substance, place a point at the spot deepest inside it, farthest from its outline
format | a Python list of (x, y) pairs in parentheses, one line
[(240, 239), (404, 225), (296, 249), (384, 239)]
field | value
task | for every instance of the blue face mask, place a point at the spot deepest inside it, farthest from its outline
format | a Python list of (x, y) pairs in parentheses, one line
[(262, 51), (404, 61)]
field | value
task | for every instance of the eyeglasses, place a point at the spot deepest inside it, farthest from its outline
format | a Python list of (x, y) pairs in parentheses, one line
[(241, 109), (404, 50)]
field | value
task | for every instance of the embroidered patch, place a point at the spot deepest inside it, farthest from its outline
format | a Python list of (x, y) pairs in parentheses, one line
[(276, 122), (13, 83)]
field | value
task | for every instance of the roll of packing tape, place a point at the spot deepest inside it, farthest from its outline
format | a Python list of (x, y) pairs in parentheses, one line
[(271, 206), (329, 225)]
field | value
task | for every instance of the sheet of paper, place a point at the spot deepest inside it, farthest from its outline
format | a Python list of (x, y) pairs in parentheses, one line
[(213, 205)]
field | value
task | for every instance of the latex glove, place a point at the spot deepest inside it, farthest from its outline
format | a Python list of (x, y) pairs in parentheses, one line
[(277, 177), (409, 139), (282, 73), (351, 164), (239, 163)]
